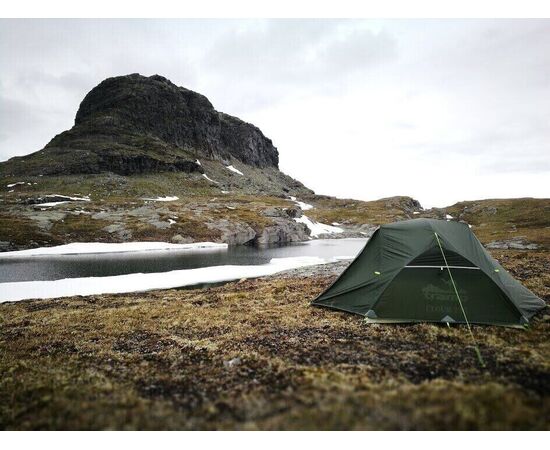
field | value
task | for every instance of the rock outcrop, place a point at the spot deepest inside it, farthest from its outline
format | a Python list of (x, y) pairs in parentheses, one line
[(134, 124), (515, 243), (233, 233), (282, 231)]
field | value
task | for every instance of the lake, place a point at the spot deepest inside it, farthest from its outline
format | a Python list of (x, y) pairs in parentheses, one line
[(59, 267)]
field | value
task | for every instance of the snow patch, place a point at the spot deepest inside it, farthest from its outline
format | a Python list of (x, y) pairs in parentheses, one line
[(198, 162), (80, 198), (209, 179), (416, 212), (14, 184), (448, 217), (78, 248), (65, 199), (232, 169), (162, 199), (317, 228), (303, 206), (138, 282), (49, 204), (171, 221)]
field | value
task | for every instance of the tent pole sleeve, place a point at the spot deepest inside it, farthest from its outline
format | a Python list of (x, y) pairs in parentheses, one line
[(479, 357)]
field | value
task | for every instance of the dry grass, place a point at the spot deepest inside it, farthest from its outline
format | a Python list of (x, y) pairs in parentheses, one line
[(159, 360), (507, 218), (356, 212), (193, 212), (21, 231)]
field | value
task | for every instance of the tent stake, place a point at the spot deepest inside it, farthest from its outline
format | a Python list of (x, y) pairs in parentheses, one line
[(478, 353)]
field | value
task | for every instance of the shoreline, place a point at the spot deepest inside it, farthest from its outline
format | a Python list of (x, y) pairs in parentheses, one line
[(289, 267), (95, 248)]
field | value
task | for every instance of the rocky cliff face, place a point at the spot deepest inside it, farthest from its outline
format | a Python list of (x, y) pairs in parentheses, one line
[(135, 124)]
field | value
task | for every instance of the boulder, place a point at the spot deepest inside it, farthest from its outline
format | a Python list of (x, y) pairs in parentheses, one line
[(233, 233), (283, 231), (179, 239), (515, 243), (294, 212)]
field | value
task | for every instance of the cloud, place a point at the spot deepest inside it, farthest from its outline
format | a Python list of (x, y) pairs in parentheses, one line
[(439, 109), (15, 117), (272, 60)]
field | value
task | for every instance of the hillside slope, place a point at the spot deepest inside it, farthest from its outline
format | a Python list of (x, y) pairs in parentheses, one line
[(148, 160), (135, 125)]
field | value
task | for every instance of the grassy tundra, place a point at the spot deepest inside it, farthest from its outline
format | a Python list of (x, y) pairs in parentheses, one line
[(254, 355)]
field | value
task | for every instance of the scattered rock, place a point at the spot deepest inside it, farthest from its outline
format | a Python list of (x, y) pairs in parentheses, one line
[(102, 215), (113, 228), (407, 204), (232, 363), (160, 224), (363, 231), (45, 219), (179, 239), (516, 243), (294, 212)]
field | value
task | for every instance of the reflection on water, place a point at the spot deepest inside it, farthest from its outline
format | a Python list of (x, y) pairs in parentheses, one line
[(100, 265)]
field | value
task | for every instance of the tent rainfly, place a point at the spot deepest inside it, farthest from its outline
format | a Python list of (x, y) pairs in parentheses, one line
[(427, 270)]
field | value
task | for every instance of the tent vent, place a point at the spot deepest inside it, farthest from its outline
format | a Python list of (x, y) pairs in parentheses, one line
[(448, 319), (433, 257)]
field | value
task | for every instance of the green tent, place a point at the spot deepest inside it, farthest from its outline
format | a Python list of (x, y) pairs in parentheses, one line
[(427, 270)]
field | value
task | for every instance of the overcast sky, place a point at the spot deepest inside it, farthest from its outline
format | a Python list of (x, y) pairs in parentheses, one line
[(441, 110)]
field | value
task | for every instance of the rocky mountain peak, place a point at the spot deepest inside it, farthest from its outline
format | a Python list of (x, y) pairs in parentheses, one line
[(176, 115), (136, 124)]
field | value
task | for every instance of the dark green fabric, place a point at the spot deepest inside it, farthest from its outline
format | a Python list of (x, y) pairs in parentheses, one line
[(379, 284)]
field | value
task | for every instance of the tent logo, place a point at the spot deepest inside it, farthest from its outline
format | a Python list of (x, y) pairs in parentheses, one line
[(443, 293), (443, 309)]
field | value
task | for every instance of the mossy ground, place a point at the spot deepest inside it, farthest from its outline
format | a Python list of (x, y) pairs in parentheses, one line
[(356, 212), (200, 202), (491, 220), (235, 198), (161, 360), (502, 219)]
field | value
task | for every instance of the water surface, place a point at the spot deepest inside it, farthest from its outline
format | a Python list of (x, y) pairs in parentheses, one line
[(58, 267)]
